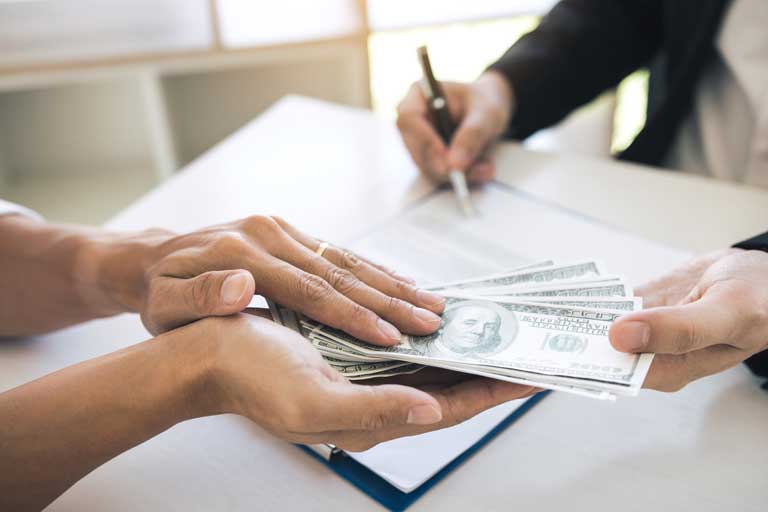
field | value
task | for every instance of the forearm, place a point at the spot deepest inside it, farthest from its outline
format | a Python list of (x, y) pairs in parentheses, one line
[(52, 275), (55, 430), (580, 49)]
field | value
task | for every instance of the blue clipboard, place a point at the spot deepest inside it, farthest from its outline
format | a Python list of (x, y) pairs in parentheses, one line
[(393, 498)]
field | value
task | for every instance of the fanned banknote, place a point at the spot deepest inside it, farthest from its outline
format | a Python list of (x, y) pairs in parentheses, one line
[(545, 275), (547, 326)]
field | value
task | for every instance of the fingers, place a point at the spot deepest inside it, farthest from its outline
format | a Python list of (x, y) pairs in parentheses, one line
[(424, 144), (312, 244), (375, 276), (671, 373), (176, 301), (709, 321), (471, 397), (348, 406), (316, 298), (483, 171), (473, 135), (383, 282), (393, 274), (457, 403), (344, 280)]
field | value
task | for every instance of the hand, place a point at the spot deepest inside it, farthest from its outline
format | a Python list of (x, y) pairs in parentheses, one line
[(275, 377), (482, 109), (58, 428), (705, 317), (217, 270)]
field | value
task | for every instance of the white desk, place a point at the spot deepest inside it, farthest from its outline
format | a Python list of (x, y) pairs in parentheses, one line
[(334, 172)]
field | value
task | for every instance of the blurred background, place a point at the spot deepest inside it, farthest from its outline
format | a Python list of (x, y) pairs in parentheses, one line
[(101, 100)]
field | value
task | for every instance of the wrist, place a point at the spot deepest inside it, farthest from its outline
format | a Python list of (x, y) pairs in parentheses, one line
[(228, 341), (497, 88), (110, 269), (192, 354)]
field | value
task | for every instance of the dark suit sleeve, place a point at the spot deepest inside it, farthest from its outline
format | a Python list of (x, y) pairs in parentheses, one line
[(580, 49), (758, 243), (758, 363)]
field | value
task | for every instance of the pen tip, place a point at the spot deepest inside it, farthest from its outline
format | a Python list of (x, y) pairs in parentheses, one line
[(468, 209)]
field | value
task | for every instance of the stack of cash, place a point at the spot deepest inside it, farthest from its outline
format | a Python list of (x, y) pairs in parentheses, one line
[(544, 325)]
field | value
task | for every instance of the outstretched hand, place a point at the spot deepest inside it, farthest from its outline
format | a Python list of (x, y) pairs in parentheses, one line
[(702, 318), (275, 377)]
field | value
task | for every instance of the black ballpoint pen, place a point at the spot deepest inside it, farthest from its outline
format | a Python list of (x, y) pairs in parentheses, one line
[(438, 107)]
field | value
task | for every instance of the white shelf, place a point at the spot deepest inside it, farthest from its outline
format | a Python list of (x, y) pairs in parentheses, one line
[(78, 30), (401, 14)]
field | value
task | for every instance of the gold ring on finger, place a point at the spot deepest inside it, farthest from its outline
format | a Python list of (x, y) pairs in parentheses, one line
[(321, 248)]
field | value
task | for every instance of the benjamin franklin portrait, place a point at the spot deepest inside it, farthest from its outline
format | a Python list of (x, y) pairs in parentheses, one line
[(470, 328)]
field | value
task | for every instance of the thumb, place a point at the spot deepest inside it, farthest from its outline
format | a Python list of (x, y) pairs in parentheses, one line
[(676, 330), (362, 407), (174, 301), (473, 135)]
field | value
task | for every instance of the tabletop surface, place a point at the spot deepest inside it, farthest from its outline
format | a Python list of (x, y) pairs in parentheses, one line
[(335, 172)]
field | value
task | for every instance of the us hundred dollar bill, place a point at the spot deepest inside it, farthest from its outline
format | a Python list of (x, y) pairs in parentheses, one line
[(579, 270), (611, 288), (541, 339), (617, 304)]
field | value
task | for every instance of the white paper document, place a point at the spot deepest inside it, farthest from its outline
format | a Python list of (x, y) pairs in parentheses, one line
[(433, 242)]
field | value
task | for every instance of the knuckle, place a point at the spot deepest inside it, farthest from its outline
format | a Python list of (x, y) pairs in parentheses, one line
[(279, 220), (314, 288), (228, 242), (342, 280), (357, 316), (452, 412), (403, 289), (491, 395), (395, 305), (374, 420), (202, 288), (350, 261), (686, 337), (262, 225)]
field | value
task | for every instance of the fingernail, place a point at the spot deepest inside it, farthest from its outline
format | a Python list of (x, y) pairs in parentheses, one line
[(233, 288), (429, 298), (389, 330), (459, 158), (426, 316), (635, 335), (424, 415)]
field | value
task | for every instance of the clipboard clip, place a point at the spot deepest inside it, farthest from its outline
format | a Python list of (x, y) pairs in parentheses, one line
[(326, 451)]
